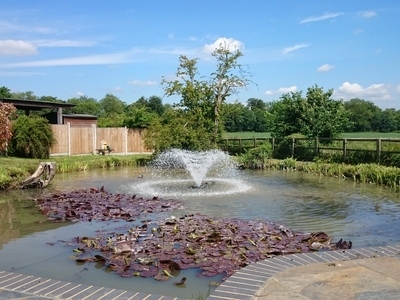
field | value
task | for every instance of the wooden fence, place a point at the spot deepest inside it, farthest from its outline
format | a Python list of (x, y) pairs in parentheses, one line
[(378, 148), (85, 139)]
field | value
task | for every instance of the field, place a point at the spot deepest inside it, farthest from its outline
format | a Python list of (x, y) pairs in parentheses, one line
[(373, 135)]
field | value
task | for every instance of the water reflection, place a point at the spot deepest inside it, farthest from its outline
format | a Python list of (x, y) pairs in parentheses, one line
[(365, 214)]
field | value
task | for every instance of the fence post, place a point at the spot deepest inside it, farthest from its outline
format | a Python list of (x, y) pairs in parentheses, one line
[(255, 142), (69, 138), (126, 140), (316, 146), (344, 149), (273, 146), (94, 141), (378, 150), (293, 141)]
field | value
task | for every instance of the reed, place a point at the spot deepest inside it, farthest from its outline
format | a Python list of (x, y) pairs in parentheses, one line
[(364, 173)]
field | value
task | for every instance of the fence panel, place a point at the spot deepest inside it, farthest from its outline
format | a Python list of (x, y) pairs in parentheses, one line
[(61, 135), (85, 139), (81, 139), (135, 142), (113, 136)]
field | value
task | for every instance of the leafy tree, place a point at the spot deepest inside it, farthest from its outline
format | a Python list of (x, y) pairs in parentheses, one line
[(29, 95), (140, 117), (155, 105), (85, 105), (317, 115), (237, 117), (111, 120), (111, 105), (229, 77), (387, 120), (6, 110), (5, 92), (202, 100), (261, 120), (362, 114), (32, 137), (196, 104), (254, 103), (285, 115), (177, 129)]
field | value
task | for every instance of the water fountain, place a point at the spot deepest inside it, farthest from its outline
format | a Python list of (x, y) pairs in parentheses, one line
[(192, 174)]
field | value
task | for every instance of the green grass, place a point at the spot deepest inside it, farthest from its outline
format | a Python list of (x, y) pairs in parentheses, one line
[(373, 135), (245, 135)]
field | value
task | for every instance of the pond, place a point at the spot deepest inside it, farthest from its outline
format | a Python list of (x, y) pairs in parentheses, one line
[(367, 215)]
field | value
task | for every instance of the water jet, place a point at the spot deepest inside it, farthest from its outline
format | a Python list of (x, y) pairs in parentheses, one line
[(186, 173)]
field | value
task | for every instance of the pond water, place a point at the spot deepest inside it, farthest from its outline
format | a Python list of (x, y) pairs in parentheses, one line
[(368, 215)]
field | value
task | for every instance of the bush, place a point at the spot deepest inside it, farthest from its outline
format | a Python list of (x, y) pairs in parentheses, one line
[(256, 158), (303, 149), (32, 137)]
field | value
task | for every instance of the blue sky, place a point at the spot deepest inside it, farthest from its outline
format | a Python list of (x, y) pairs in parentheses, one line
[(68, 48)]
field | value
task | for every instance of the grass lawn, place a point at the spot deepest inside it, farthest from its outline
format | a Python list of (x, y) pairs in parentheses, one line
[(374, 135)]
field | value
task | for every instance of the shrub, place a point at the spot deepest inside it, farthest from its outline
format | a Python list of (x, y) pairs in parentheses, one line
[(256, 158), (32, 137), (303, 149)]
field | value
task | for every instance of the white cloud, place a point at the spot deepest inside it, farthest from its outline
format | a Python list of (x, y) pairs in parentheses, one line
[(294, 48), (358, 31), (171, 36), (375, 92), (281, 90), (397, 89), (101, 59), (19, 74), (367, 14), (63, 43), (321, 18), (228, 43), (80, 94), (325, 68), (11, 27), (16, 48), (142, 83)]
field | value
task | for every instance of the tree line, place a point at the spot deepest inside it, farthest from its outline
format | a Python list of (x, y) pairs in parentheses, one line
[(198, 119)]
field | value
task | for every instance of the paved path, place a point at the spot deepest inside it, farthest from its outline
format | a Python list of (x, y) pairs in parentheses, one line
[(366, 273)]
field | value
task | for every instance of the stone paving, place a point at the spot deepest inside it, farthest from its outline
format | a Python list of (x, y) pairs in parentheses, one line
[(365, 273)]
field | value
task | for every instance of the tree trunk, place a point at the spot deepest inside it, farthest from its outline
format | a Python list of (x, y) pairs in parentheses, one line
[(42, 176)]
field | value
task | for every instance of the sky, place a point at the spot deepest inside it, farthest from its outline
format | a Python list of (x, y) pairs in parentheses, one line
[(71, 48)]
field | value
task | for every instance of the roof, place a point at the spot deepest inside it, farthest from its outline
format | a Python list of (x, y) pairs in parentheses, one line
[(34, 104), (80, 116)]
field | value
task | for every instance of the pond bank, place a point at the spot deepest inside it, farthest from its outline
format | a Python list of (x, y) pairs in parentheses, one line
[(14, 170)]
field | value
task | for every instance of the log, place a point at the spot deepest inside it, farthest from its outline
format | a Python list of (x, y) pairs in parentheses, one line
[(42, 176)]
